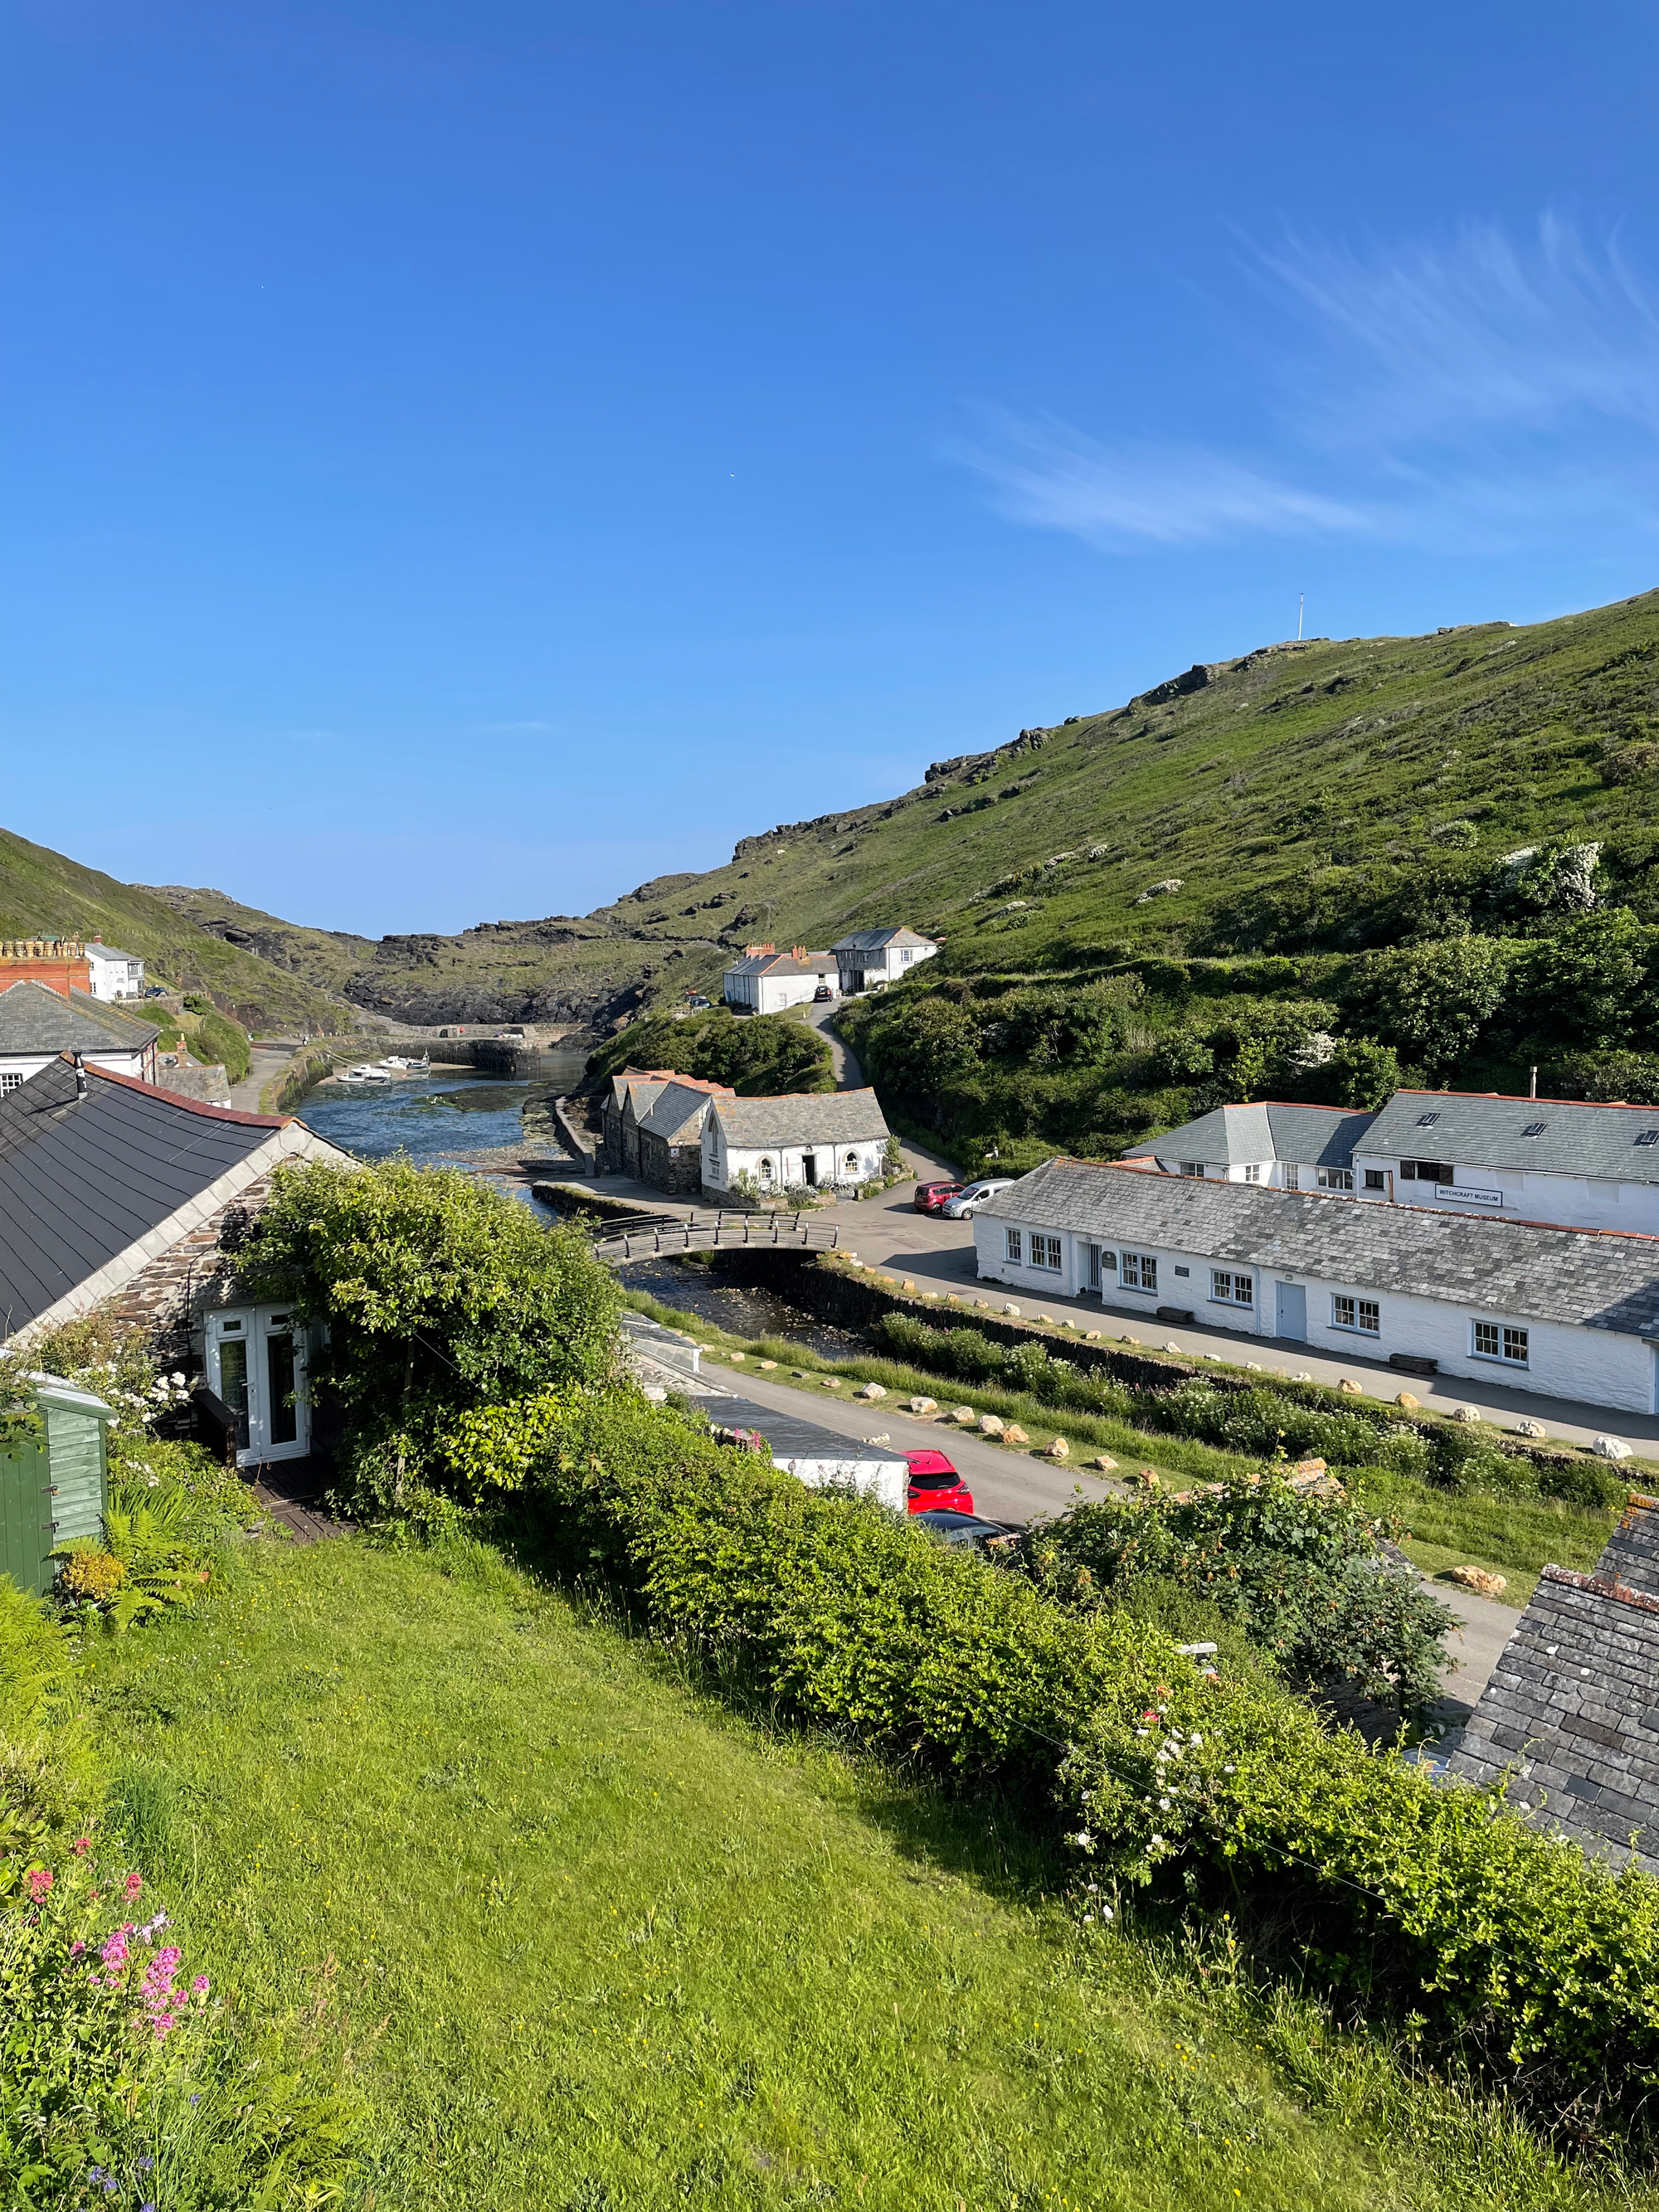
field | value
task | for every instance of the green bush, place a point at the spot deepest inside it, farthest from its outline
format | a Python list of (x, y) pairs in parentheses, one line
[(1503, 1943), (439, 1293), (1305, 1577), (759, 1056)]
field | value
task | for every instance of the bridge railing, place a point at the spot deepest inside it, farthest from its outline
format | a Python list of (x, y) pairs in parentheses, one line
[(680, 1232)]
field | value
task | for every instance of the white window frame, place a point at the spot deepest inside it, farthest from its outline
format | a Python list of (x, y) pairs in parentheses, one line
[(1046, 1254), (11, 1080), (1239, 1291), (1504, 1335), (1252, 1174), (1292, 1175), (1362, 1317), (1139, 1271), (1015, 1249), (1194, 1169), (1335, 1178)]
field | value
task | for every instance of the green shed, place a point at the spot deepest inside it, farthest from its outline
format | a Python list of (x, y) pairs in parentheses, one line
[(53, 1489)]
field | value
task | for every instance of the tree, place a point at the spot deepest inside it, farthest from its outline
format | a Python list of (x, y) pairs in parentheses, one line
[(1587, 984), (1360, 1073), (1432, 1001), (439, 1295), (759, 1056)]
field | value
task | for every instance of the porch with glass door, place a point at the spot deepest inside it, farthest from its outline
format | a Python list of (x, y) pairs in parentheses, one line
[(256, 1363)]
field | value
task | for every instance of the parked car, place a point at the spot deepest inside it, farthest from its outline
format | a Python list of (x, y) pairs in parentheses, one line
[(930, 1196), (935, 1483), (822, 995), (973, 1196), (698, 1004), (973, 1528)]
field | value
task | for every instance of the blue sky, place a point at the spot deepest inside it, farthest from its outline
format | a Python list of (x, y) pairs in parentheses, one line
[(461, 461)]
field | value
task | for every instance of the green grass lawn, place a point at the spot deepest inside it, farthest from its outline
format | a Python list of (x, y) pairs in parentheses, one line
[(579, 1938)]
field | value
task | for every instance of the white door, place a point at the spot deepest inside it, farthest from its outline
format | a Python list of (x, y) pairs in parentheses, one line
[(255, 1362)]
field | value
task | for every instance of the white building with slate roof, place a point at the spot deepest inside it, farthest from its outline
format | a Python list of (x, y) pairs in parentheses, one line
[(870, 956), (814, 1141), (37, 1024), (765, 983), (1531, 1159), (1568, 1313)]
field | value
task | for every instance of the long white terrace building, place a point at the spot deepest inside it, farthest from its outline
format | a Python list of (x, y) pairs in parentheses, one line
[(1568, 1313)]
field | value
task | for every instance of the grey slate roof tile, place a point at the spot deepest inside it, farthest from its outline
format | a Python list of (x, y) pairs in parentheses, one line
[(35, 1019), (81, 1179), (817, 1117), (1472, 1130), (1596, 1278), (1235, 1136)]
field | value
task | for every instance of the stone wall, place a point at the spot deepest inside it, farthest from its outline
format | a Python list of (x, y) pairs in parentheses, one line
[(168, 1300), (676, 1168)]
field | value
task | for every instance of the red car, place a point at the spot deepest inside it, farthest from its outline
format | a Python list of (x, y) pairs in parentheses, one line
[(930, 1196), (934, 1483)]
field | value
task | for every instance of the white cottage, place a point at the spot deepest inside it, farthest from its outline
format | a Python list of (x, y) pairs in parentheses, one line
[(814, 1141), (1568, 1313), (39, 1025), (765, 983), (114, 975), (870, 956)]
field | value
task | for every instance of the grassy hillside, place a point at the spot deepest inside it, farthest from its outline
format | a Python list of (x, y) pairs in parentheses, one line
[(1305, 801), (562, 1932), (41, 892)]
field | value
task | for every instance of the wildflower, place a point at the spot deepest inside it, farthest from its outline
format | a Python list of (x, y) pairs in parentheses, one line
[(144, 2163), (195, 2096), (200, 1985), (1164, 1804), (1158, 1840), (77, 1947), (1084, 1840), (81, 1846), (1107, 1913), (132, 1885), (37, 1881), (114, 1953), (1198, 1742)]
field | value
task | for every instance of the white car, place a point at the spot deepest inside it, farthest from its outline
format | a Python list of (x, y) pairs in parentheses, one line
[(971, 1199)]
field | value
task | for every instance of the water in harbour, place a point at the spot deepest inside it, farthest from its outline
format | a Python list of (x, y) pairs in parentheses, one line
[(744, 1309), (432, 1117)]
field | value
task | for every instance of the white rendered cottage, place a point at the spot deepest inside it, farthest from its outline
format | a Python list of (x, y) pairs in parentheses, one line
[(871, 957), (812, 1140), (765, 983), (1531, 1159), (114, 975), (1568, 1313), (39, 1025)]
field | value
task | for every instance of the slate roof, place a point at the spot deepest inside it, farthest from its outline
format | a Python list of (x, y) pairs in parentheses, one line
[(877, 940), (790, 1436), (35, 1019), (1232, 1136), (101, 951), (82, 1179), (676, 1115), (780, 964), (811, 1117), (1571, 1714), (1631, 1556), (1595, 1279), (1472, 1130)]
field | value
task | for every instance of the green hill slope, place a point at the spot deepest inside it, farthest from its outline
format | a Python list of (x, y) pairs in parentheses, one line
[(43, 893)]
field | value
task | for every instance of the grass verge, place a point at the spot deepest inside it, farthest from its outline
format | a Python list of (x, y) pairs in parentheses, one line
[(578, 1938)]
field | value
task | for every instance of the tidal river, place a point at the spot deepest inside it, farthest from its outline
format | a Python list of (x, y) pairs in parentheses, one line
[(452, 1112)]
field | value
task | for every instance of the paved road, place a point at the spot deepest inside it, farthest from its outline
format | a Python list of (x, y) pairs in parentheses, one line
[(269, 1058), (849, 1075), (1007, 1485)]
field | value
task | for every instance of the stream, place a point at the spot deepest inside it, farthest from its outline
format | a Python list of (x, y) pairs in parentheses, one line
[(744, 1309)]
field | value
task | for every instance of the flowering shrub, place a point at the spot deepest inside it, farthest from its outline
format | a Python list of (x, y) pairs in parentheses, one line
[(97, 2019), (1504, 1940), (89, 1576), (97, 1353)]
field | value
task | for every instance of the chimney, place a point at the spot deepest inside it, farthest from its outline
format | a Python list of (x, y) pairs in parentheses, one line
[(1532, 1088), (181, 1052), (81, 1084), (798, 953)]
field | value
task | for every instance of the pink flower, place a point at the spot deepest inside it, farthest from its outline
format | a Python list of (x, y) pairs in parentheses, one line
[(77, 1947), (132, 1885), (37, 1881), (164, 2021), (81, 1846), (200, 1985), (114, 1953)]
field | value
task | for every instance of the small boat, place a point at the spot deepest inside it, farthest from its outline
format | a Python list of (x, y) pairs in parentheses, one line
[(368, 1073)]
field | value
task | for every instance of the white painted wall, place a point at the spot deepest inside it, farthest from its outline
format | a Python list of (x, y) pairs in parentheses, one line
[(1573, 1201), (1598, 1367), (885, 966), (844, 1163), (113, 977), (16, 1067), (771, 994)]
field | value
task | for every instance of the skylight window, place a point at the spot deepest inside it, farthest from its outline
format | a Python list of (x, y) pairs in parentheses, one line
[(1533, 1129), (1649, 1137), (1427, 1121)]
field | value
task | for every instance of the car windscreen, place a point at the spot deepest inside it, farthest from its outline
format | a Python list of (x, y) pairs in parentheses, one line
[(934, 1478)]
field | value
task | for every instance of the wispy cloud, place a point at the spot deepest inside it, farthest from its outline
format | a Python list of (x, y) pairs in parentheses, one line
[(1466, 393)]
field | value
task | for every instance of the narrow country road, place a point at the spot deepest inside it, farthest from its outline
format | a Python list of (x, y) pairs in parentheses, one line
[(849, 1075)]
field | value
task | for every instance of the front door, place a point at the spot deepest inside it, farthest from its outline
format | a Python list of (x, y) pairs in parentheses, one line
[(1092, 1255), (810, 1170), (1292, 1319), (256, 1363)]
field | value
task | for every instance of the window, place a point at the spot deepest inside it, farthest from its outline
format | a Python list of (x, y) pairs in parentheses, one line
[(1427, 1121), (1252, 1174), (1015, 1251), (10, 1083), (1360, 1314), (1191, 1167), (1230, 1290), (1139, 1271), (1533, 1129), (1375, 1179), (1292, 1176), (1494, 1340), (1425, 1171), (1045, 1252), (766, 1170), (851, 1164), (1336, 1178), (1648, 1137)]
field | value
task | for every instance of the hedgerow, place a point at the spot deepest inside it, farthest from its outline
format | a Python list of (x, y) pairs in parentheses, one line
[(1497, 1941)]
